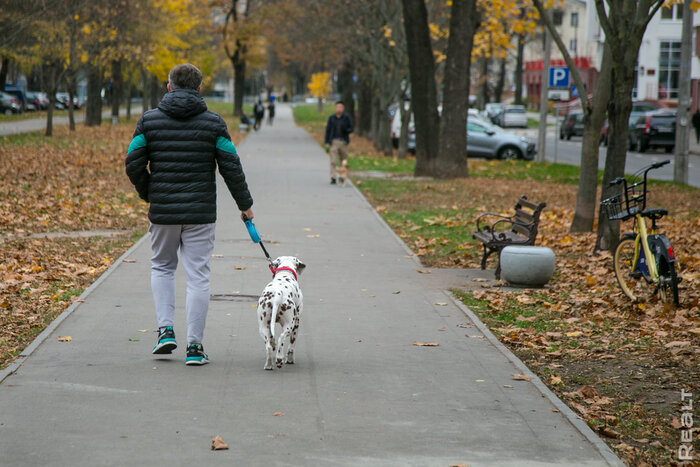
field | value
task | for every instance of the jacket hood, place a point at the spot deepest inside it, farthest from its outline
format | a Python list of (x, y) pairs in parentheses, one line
[(182, 104)]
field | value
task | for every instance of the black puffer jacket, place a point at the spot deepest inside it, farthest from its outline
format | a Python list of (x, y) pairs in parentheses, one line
[(173, 156)]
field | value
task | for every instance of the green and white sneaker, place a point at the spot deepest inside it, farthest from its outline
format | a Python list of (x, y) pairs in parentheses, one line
[(196, 355), (166, 341)]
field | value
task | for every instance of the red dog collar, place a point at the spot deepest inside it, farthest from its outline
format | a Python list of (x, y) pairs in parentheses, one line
[(284, 268)]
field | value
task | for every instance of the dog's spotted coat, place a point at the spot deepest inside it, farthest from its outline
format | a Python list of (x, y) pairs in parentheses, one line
[(281, 302)]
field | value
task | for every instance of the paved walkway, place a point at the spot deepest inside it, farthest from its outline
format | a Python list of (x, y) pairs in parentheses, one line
[(39, 124), (360, 393)]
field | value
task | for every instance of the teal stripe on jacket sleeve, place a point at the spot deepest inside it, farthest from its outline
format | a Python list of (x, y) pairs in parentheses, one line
[(225, 144), (138, 142)]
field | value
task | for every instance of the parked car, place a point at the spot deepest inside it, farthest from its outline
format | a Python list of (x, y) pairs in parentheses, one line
[(639, 109), (513, 115), (37, 101), (9, 104), (62, 99), (654, 130), (493, 111), (572, 125), (18, 93), (486, 140)]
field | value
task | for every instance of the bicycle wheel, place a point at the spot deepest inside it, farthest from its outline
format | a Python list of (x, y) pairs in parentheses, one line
[(628, 272), (668, 281)]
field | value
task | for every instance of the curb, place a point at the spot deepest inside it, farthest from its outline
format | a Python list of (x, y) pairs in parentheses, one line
[(564, 409), (604, 450), (46, 333)]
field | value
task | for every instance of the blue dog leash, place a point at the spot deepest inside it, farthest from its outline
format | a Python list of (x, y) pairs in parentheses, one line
[(255, 236)]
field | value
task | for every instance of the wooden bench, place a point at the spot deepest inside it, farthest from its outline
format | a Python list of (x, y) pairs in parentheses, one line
[(518, 229)]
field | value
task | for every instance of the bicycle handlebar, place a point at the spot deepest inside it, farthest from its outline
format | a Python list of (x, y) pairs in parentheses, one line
[(656, 165)]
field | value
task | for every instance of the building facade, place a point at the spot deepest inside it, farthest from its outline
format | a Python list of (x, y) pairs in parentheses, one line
[(658, 64)]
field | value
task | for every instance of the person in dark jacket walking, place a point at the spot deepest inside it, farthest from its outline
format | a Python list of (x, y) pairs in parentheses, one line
[(172, 162), (696, 124), (259, 114), (270, 112), (338, 131)]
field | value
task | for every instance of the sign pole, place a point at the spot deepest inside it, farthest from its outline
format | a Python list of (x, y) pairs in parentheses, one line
[(544, 91)]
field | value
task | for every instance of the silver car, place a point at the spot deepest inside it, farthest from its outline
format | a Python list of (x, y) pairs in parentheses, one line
[(486, 140)]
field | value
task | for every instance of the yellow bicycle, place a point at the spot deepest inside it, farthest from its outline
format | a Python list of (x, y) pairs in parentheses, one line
[(644, 260)]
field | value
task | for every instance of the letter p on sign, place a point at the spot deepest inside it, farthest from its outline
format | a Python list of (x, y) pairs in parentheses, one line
[(558, 77)]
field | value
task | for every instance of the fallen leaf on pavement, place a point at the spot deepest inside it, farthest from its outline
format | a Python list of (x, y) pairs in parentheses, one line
[(463, 464), (313, 236), (441, 303), (306, 229), (508, 386), (441, 329), (142, 330), (519, 377), (129, 261), (64, 338), (217, 444), (426, 344), (424, 271), (397, 292), (217, 256), (278, 414), (239, 268)]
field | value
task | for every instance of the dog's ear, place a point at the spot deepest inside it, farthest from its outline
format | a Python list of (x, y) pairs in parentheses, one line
[(300, 266), (276, 263)]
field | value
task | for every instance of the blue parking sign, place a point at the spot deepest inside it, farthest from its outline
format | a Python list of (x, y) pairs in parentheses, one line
[(558, 77)]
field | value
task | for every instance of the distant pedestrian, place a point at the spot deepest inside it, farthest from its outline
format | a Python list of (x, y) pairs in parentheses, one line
[(172, 162), (696, 125), (271, 112), (258, 114), (338, 131)]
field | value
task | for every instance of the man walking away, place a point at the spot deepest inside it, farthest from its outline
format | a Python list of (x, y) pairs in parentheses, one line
[(696, 125), (259, 114), (271, 111), (172, 162), (338, 131)]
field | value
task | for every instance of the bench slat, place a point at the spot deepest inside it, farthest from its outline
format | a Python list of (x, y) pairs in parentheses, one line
[(525, 216)]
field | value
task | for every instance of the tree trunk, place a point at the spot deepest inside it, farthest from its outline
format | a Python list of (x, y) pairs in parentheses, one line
[(618, 116), (451, 161), (146, 89), (70, 85), (51, 82), (500, 84), (3, 72), (374, 134), (93, 110), (128, 100), (421, 66), (116, 89), (239, 70), (592, 123), (364, 107), (405, 124), (155, 91), (485, 95), (347, 88)]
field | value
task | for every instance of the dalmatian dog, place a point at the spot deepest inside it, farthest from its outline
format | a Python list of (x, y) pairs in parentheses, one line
[(281, 302)]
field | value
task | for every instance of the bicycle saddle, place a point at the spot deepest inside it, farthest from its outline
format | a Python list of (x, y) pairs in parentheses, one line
[(654, 213)]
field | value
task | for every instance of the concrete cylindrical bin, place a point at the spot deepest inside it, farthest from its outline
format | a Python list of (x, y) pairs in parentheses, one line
[(531, 266)]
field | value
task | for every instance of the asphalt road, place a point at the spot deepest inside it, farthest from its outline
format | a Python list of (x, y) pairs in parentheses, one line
[(569, 152)]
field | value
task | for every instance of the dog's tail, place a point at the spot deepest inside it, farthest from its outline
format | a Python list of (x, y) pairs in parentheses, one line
[(273, 317)]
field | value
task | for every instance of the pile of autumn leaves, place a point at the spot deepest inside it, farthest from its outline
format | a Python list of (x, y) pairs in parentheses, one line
[(69, 183)]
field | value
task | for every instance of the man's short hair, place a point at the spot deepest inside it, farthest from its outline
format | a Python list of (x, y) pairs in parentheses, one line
[(185, 76), (339, 102)]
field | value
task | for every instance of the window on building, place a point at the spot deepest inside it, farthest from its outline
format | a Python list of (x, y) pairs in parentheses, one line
[(573, 43), (673, 12), (669, 69), (574, 19), (558, 17)]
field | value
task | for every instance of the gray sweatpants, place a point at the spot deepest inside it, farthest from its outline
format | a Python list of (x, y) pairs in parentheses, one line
[(196, 243)]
